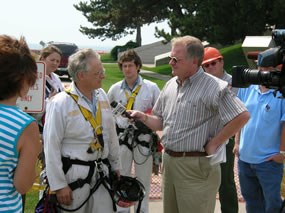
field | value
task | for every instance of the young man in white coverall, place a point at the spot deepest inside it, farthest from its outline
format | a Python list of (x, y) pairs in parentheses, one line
[(134, 92)]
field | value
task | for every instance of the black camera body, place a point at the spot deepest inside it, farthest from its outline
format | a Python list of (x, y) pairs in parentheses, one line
[(274, 79)]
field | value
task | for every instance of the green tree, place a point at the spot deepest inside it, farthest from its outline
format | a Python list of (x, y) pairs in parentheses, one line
[(117, 18), (224, 21)]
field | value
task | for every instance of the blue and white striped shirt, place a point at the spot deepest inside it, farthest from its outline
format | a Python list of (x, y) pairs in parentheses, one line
[(12, 123)]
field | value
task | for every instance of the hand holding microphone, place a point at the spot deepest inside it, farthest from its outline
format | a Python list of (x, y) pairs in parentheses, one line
[(119, 109)]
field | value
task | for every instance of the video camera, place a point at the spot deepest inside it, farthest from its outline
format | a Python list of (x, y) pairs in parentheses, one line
[(242, 77)]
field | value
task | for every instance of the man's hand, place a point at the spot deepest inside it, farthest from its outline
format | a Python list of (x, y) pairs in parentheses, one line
[(278, 158), (211, 147), (64, 196), (137, 115), (236, 150)]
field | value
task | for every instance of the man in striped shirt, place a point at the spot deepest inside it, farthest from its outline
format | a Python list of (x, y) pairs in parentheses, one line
[(189, 111)]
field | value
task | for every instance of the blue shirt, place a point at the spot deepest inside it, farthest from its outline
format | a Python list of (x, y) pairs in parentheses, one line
[(261, 137), (12, 123)]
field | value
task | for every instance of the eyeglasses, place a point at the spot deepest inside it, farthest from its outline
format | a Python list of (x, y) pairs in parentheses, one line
[(174, 59), (101, 72), (213, 63)]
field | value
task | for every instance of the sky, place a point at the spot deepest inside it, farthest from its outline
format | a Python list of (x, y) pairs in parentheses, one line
[(57, 20)]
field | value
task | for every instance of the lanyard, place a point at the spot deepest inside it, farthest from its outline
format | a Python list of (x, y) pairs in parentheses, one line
[(131, 99)]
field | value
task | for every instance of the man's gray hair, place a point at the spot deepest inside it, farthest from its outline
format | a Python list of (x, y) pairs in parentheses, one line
[(79, 62), (193, 46)]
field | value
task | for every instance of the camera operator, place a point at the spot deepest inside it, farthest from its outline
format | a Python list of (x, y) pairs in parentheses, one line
[(213, 64), (260, 146)]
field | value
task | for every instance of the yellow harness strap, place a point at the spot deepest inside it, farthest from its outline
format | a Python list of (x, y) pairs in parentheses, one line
[(131, 99), (96, 123)]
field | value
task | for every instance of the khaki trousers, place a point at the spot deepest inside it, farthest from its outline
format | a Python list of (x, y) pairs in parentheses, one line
[(190, 184)]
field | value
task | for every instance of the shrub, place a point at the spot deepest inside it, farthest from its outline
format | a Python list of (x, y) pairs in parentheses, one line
[(117, 49)]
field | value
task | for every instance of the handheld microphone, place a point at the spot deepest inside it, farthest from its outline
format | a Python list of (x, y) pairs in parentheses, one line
[(119, 109)]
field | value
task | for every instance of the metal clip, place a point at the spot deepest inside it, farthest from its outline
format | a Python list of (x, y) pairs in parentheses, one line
[(94, 145)]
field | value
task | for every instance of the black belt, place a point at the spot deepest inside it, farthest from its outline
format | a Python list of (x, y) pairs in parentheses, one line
[(185, 154)]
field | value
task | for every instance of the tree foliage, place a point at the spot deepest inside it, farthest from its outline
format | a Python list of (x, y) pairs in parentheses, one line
[(117, 18), (223, 21)]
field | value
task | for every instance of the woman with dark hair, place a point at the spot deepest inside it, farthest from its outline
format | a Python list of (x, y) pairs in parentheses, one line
[(19, 133)]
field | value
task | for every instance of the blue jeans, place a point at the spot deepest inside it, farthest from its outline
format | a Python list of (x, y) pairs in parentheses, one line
[(260, 186)]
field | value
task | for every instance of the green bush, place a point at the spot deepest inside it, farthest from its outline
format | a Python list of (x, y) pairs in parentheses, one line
[(117, 49)]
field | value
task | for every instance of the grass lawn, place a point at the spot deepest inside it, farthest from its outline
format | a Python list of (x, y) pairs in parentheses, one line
[(31, 201), (114, 74)]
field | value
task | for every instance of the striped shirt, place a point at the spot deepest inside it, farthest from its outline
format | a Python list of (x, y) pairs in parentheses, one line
[(228, 78), (12, 123), (192, 112)]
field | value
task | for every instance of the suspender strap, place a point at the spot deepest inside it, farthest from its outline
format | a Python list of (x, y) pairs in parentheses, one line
[(131, 99)]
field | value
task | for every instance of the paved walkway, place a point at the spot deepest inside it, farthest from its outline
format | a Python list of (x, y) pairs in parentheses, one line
[(155, 75), (156, 207)]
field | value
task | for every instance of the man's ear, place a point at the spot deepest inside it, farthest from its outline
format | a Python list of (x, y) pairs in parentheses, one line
[(80, 75), (195, 60)]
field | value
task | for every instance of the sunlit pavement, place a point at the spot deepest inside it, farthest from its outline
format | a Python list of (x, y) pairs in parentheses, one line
[(156, 207)]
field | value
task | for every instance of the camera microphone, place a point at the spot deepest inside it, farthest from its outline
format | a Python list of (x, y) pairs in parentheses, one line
[(119, 109)]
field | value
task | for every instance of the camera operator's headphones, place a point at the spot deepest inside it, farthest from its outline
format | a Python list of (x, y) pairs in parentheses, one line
[(128, 191)]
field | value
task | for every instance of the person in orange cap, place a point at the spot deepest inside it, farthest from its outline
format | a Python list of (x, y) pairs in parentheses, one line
[(213, 64)]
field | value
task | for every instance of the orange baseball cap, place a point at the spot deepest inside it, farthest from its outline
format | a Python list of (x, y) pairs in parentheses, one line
[(211, 54)]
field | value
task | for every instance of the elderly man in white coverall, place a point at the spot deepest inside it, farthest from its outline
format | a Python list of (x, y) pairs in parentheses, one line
[(79, 131)]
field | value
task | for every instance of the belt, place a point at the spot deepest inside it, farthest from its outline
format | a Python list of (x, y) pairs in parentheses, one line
[(185, 154)]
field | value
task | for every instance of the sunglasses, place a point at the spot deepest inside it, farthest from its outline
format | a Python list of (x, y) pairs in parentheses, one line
[(213, 63), (174, 59)]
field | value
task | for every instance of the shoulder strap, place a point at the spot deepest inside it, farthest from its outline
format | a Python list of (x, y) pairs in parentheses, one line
[(131, 99), (96, 124)]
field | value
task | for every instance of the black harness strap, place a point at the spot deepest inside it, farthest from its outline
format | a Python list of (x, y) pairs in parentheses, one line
[(125, 142), (67, 163), (130, 146)]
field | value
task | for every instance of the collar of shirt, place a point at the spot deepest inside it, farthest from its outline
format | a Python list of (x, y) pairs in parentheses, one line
[(191, 78), (226, 76), (257, 88), (124, 84), (92, 104)]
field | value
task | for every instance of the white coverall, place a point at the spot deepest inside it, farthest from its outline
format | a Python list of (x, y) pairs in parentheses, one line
[(144, 101), (68, 134)]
